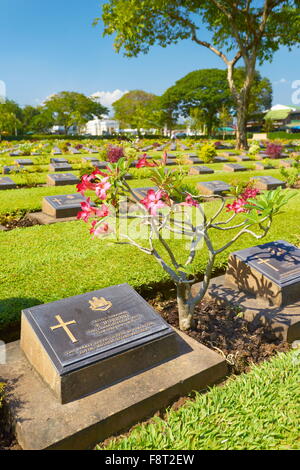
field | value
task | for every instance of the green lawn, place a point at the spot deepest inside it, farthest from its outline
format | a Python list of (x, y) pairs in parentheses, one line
[(42, 264), (255, 411)]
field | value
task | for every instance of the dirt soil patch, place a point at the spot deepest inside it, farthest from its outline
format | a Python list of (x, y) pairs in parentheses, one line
[(224, 330), (23, 222)]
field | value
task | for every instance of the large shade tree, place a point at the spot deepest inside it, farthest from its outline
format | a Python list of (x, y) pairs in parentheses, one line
[(10, 117), (70, 108), (244, 32), (204, 94), (137, 109), (205, 90)]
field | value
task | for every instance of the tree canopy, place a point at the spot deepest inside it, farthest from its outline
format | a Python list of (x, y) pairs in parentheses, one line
[(70, 108), (204, 94), (241, 31), (137, 109)]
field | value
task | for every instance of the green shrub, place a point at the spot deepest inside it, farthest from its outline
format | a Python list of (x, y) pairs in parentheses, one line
[(291, 175), (207, 153)]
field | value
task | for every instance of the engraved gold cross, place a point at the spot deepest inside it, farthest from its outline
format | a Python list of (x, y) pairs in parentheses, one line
[(64, 325), (57, 200), (265, 261)]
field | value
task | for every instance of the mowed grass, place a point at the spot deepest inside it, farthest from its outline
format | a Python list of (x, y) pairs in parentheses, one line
[(255, 411), (42, 264)]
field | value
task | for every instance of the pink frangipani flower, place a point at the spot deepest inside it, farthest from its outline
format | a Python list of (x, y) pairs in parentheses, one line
[(153, 201), (102, 187)]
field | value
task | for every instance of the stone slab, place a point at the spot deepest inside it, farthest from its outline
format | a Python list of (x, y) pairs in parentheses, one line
[(90, 160), (7, 183), (23, 162), (41, 422), (85, 343), (58, 160), (270, 271), (234, 167), (44, 219), (62, 206), (62, 179), (286, 163), (6, 170), (267, 182), (213, 187), (220, 160), (284, 321), (263, 166), (242, 158), (200, 170), (60, 167)]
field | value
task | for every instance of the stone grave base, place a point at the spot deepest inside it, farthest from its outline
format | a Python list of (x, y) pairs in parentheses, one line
[(285, 321), (41, 422), (44, 219)]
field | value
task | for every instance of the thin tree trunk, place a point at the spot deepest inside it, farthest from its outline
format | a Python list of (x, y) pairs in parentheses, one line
[(185, 310), (241, 133), (242, 99)]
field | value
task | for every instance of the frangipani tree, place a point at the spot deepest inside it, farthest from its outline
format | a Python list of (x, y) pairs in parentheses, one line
[(243, 32), (167, 210)]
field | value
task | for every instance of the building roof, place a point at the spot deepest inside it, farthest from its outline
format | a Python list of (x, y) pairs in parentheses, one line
[(278, 115)]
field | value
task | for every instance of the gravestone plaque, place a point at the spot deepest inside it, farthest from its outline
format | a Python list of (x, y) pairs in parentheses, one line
[(286, 163), (267, 182), (191, 155), (62, 179), (173, 147), (230, 154), (56, 151), (58, 160), (11, 169), (90, 160), (16, 153), (195, 160), (85, 343), (99, 165), (213, 187), (90, 150), (242, 158), (184, 147), (220, 159), (60, 167), (141, 193), (7, 183), (60, 207), (146, 149), (23, 162), (234, 167), (74, 151), (172, 155), (170, 162), (270, 271), (263, 166), (200, 170)]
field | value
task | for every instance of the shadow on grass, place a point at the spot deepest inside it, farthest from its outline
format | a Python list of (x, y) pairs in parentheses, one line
[(10, 316)]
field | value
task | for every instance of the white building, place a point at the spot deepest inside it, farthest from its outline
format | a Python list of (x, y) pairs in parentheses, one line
[(101, 127)]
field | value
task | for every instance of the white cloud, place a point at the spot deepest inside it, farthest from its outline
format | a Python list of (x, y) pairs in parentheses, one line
[(282, 81), (107, 98)]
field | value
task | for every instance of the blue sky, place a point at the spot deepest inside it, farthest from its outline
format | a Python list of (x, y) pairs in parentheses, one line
[(48, 47)]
